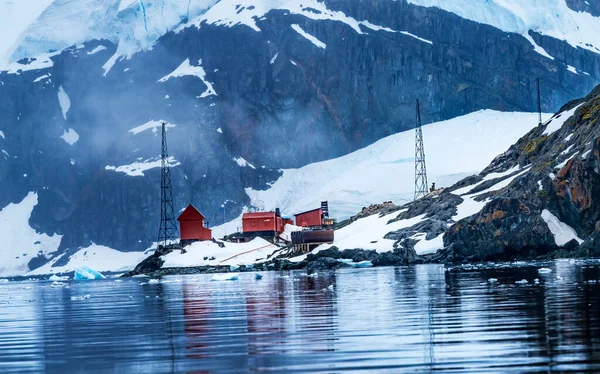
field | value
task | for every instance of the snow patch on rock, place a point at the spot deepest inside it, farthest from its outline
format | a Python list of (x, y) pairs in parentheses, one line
[(64, 101), (137, 169), (70, 136), (186, 69), (562, 232)]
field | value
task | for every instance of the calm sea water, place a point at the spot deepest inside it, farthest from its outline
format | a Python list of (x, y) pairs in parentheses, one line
[(404, 319)]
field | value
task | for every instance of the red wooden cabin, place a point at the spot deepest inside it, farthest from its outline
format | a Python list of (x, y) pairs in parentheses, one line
[(191, 226), (311, 218), (263, 224)]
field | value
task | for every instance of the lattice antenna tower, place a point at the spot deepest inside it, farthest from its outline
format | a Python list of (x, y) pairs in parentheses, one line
[(539, 102), (168, 234), (420, 167)]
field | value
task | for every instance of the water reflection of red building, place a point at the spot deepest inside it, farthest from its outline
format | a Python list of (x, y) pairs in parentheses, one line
[(197, 325), (273, 323)]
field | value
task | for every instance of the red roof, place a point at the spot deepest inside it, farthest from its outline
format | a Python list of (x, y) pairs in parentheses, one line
[(258, 215), (308, 211), (191, 214)]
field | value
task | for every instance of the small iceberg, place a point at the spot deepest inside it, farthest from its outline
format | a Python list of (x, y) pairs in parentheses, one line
[(56, 278), (493, 280), (233, 267), (224, 277), (544, 271), (86, 273), (361, 264), (522, 281), (153, 281), (258, 276), (85, 297)]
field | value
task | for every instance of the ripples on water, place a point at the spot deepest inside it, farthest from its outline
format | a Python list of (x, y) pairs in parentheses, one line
[(412, 319)]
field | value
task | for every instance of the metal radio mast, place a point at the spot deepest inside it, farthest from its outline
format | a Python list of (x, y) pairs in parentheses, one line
[(420, 168), (168, 234)]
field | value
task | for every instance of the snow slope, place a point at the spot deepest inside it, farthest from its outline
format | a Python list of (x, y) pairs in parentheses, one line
[(548, 17), (385, 170), (20, 242), (97, 257), (245, 253)]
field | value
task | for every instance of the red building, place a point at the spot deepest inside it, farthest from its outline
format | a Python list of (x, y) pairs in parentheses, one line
[(192, 227), (311, 218), (263, 224)]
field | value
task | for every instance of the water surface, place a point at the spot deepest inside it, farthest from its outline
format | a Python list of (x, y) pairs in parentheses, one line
[(404, 319)]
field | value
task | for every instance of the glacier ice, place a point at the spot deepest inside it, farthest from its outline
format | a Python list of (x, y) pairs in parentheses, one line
[(86, 273)]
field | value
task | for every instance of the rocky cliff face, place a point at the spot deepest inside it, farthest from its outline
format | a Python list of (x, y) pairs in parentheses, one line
[(540, 198), (251, 102)]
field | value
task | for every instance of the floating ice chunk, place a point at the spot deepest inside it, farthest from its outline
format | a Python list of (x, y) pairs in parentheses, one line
[(55, 278), (493, 280), (522, 281), (4, 280), (361, 264), (86, 273), (544, 271), (330, 288), (258, 276), (84, 297), (233, 268), (153, 281), (225, 277), (58, 284), (313, 275), (250, 266), (536, 281)]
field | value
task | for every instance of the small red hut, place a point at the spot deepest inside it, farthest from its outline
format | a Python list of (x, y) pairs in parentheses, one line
[(311, 218), (192, 227)]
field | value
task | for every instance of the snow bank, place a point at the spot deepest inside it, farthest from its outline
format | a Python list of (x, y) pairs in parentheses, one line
[(288, 230), (97, 257), (455, 149), (200, 254), (558, 120), (20, 242), (367, 233), (562, 232)]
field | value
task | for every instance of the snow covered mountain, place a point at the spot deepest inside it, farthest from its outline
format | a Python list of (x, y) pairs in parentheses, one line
[(379, 172), (249, 88)]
